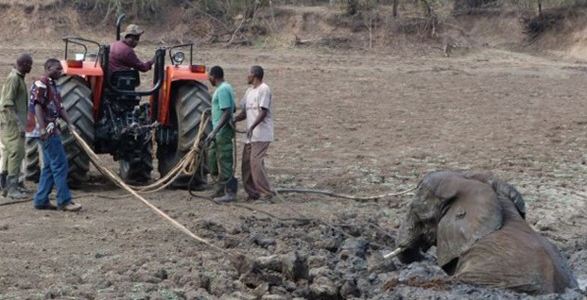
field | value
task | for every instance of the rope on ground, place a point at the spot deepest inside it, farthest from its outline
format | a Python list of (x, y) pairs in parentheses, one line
[(336, 195), (113, 197), (11, 202), (325, 223), (186, 166), (118, 181)]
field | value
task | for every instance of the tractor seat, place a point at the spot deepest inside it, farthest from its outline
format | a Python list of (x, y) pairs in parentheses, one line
[(125, 80)]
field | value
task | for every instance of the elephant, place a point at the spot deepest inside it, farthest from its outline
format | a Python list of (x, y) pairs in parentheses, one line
[(477, 223)]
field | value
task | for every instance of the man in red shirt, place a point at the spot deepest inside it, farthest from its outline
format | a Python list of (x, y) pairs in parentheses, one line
[(122, 53), (47, 110)]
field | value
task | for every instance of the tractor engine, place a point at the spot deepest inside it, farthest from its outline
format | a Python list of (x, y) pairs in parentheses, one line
[(125, 132)]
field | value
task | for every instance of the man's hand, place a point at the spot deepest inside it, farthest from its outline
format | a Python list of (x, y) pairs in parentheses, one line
[(50, 128), (21, 131), (249, 133), (44, 134)]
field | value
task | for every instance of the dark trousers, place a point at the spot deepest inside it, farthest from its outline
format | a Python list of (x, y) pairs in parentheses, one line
[(220, 159)]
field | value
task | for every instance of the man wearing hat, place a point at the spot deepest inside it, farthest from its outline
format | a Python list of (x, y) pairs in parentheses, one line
[(122, 54)]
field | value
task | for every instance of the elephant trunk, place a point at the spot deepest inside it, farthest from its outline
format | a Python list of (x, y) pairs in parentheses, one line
[(410, 240)]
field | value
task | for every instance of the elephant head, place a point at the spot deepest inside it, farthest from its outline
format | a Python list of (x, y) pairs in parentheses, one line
[(452, 210)]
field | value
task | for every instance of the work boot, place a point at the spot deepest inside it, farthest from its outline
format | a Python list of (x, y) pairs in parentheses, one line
[(71, 207), (228, 197), (12, 189)]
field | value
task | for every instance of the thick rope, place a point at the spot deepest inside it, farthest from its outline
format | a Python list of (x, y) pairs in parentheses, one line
[(335, 195), (11, 202), (118, 181), (186, 166)]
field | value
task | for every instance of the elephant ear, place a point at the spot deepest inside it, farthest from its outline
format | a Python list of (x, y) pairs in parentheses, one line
[(443, 184), (470, 215), (503, 189)]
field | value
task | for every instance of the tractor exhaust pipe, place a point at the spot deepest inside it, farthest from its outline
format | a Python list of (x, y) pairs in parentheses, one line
[(118, 24)]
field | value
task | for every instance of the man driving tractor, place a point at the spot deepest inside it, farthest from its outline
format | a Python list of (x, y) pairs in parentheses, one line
[(122, 54)]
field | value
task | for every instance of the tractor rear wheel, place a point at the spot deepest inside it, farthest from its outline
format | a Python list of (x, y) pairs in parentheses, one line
[(77, 101), (33, 160), (189, 101)]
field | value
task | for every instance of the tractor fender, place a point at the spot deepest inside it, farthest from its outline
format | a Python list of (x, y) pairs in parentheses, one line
[(174, 75)]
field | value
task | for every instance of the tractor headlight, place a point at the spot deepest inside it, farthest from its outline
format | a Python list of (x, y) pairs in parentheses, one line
[(178, 58)]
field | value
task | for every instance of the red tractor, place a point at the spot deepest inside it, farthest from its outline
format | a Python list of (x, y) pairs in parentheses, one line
[(110, 114)]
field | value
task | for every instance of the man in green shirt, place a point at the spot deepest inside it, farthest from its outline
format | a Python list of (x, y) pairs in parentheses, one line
[(220, 140), (13, 116)]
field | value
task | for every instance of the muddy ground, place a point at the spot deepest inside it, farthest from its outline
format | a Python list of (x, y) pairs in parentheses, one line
[(358, 123)]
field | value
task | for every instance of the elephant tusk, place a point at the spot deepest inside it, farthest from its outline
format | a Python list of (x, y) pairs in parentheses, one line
[(394, 253)]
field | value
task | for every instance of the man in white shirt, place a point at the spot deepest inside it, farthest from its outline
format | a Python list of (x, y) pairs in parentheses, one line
[(256, 110)]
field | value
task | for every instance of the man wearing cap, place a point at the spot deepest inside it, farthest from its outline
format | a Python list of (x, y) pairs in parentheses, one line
[(122, 53)]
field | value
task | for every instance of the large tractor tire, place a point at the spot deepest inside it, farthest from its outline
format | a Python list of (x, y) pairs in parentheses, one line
[(77, 101), (33, 160), (189, 101)]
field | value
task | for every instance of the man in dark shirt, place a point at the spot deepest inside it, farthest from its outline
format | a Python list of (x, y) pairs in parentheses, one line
[(122, 54), (48, 109)]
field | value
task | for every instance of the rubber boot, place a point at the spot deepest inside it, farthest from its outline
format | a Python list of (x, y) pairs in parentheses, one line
[(228, 197), (231, 188), (232, 185), (12, 189), (3, 185)]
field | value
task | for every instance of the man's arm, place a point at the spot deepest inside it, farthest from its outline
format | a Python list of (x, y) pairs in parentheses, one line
[(40, 116), (10, 91), (243, 113), (223, 121), (260, 118), (134, 62), (241, 116), (226, 103)]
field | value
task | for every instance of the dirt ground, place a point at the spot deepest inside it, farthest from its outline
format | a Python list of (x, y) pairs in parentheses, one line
[(352, 122)]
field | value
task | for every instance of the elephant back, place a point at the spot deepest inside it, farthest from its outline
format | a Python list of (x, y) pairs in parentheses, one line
[(516, 257), (473, 213)]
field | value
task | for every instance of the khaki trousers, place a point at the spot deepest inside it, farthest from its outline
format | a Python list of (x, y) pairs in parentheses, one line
[(253, 170), (13, 152)]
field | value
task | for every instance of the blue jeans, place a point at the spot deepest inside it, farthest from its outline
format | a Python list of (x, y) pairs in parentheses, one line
[(54, 172)]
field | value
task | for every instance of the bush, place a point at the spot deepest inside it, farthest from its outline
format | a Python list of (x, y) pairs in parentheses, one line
[(111, 8)]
